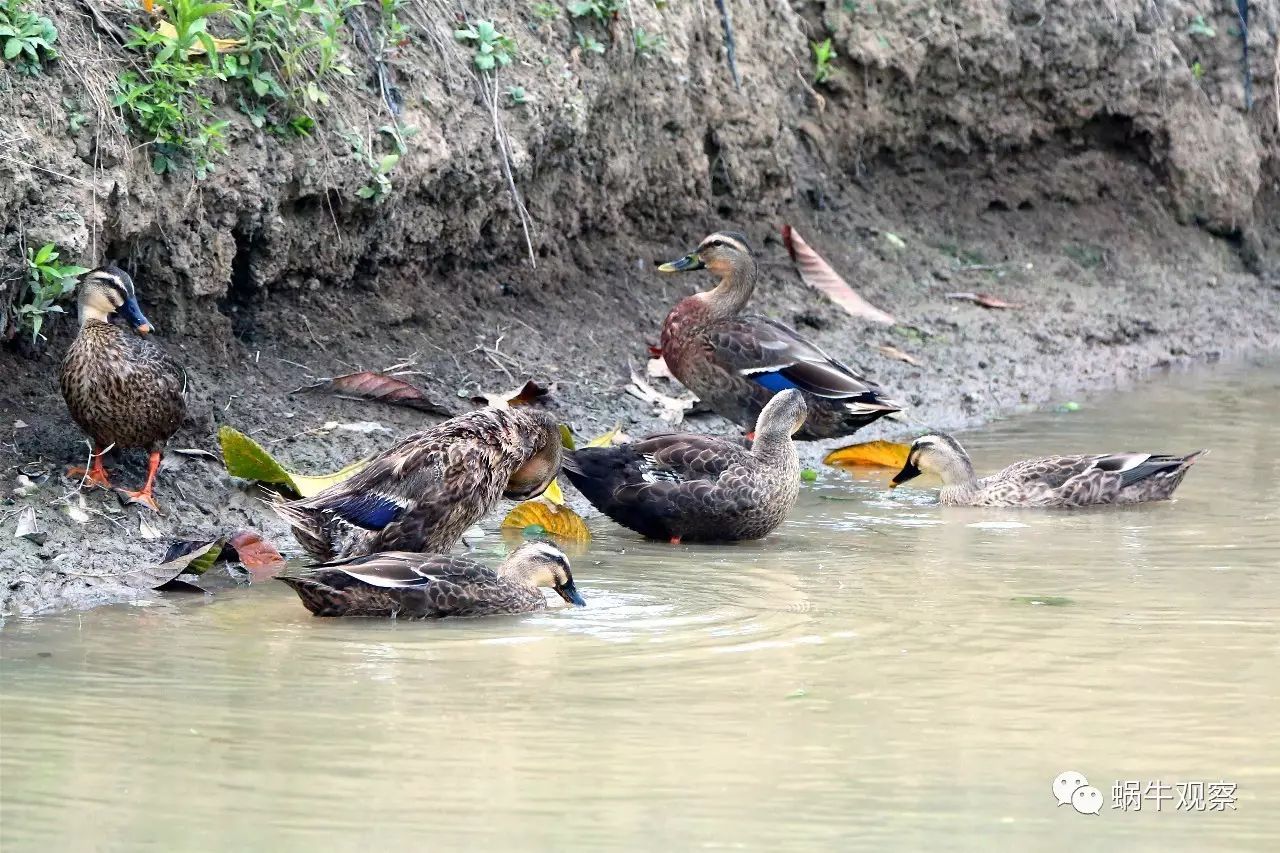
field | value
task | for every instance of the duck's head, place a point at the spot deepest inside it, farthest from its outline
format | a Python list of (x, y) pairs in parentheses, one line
[(721, 252), (542, 564), (109, 290), (535, 475), (938, 454), (783, 415)]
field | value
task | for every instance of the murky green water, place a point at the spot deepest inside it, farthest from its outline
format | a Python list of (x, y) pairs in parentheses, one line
[(873, 677)]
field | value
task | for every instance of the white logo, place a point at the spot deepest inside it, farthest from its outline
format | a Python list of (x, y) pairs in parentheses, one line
[(1071, 788), (1087, 799)]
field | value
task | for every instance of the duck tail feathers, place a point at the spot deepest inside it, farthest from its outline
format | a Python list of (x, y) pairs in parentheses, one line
[(308, 525)]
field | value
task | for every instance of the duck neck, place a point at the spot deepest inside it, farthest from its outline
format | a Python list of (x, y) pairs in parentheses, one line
[(731, 295), (89, 312), (958, 474), (776, 447)]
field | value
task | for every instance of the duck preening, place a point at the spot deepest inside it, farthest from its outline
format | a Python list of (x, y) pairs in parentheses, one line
[(403, 585), (1054, 481), (698, 488), (736, 362), (427, 489), (123, 390)]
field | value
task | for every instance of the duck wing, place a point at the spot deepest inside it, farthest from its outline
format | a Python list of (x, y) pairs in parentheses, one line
[(776, 356), (1110, 471)]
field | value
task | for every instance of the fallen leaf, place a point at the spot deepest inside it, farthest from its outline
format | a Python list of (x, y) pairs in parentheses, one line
[(819, 275), (257, 555), (169, 31), (25, 486), (554, 493), (28, 529), (894, 240), (245, 458), (19, 424), (193, 452), (609, 438), (986, 300), (670, 409), (361, 427), (526, 395), (566, 438), (147, 528), (881, 454), (808, 475), (890, 351), (183, 557), (378, 388), (76, 511), (657, 369), (554, 520)]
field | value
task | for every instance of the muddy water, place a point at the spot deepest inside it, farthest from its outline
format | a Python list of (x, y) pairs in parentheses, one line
[(882, 674)]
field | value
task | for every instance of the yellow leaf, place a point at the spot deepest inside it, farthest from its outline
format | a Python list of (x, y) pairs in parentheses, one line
[(554, 493), (559, 521), (247, 459), (606, 440), (882, 454), (147, 4), (169, 31)]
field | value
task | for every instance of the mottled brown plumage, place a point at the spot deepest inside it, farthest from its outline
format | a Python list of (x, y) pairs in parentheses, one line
[(1054, 481), (403, 585), (736, 362), (427, 489), (698, 488), (122, 389)]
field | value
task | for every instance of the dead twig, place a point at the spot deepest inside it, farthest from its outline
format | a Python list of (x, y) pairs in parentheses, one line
[(730, 47)]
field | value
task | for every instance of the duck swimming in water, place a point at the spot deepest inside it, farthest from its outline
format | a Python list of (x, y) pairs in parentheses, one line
[(402, 585), (1054, 481), (427, 489), (698, 488), (735, 362), (122, 389)]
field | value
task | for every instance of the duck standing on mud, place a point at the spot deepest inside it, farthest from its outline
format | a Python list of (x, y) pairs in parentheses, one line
[(122, 389), (1054, 481), (698, 488), (427, 489), (736, 362), (401, 585)]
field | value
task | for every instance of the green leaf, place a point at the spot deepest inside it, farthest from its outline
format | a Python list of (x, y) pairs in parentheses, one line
[(387, 163), (12, 48), (484, 61), (366, 192), (260, 87), (45, 254), (247, 459)]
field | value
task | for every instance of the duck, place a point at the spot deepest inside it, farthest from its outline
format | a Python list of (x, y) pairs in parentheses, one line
[(689, 487), (423, 492), (735, 363), (1052, 481), (403, 585), (122, 389)]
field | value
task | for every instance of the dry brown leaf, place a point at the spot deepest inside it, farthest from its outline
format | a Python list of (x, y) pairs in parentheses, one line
[(670, 409), (890, 351), (526, 395), (380, 388), (819, 275), (657, 369), (986, 300), (257, 555), (553, 520), (877, 454)]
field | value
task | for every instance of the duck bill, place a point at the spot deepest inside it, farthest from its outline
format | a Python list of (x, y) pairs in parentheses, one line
[(908, 472), (133, 313), (570, 593), (691, 261)]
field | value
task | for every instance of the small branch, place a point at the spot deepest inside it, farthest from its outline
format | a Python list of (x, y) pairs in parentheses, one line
[(489, 86), (1242, 12), (726, 22)]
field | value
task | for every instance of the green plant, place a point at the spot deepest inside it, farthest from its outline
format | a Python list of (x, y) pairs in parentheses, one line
[(601, 10), (26, 39), (823, 54), (166, 100), (589, 44), (380, 167), (647, 44), (1198, 27), (492, 48), (76, 118), (48, 282), (1197, 71), (517, 95), (546, 11)]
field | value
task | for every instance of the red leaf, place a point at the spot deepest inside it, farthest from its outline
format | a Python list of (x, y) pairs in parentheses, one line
[(259, 556), (986, 300), (819, 275), (380, 388)]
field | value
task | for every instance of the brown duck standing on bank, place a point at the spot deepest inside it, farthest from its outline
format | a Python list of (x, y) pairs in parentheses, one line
[(401, 585), (122, 389), (1054, 481), (736, 362), (698, 488), (427, 489)]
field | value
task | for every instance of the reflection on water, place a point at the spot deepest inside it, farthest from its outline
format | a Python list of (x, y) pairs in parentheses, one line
[(882, 673)]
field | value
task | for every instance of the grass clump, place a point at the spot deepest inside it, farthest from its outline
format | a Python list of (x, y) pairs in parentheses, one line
[(26, 39), (48, 283), (823, 55), (601, 10)]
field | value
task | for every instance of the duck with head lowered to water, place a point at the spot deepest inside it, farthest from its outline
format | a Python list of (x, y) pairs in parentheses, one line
[(735, 362)]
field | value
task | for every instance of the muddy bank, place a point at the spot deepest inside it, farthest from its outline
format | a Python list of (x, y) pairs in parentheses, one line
[(1067, 159)]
